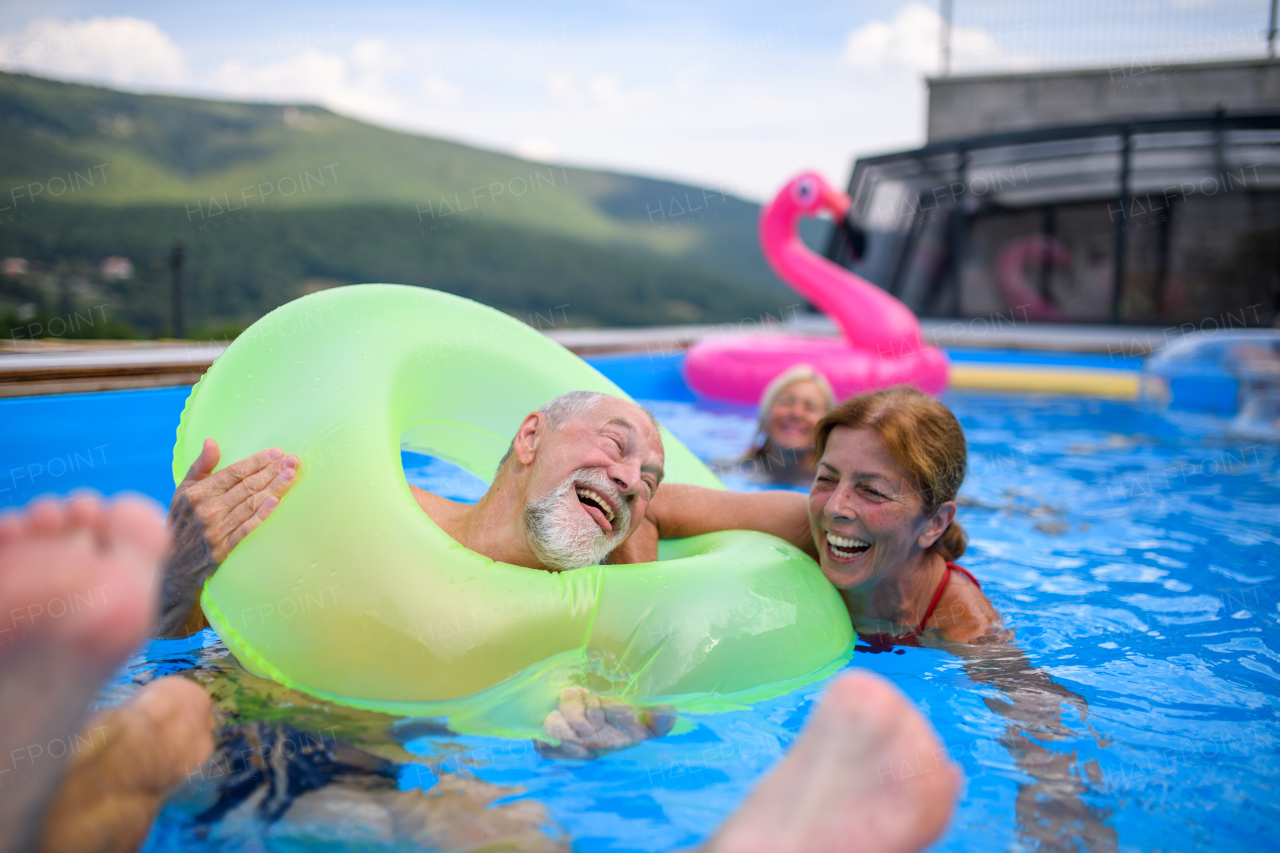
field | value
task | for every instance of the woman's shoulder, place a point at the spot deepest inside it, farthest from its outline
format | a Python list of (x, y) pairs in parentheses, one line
[(964, 613), (957, 568)]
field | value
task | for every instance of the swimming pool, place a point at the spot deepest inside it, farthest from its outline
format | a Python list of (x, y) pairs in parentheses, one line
[(1134, 552)]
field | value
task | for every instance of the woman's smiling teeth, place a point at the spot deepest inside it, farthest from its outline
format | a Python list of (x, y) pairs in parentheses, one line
[(845, 549), (585, 494)]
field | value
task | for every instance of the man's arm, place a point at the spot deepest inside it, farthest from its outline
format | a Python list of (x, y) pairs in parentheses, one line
[(680, 510), (209, 516)]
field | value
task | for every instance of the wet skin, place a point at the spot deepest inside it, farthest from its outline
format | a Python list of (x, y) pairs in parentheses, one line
[(861, 493), (211, 512), (830, 794)]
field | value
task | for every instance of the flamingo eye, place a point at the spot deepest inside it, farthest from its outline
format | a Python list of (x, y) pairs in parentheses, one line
[(805, 191)]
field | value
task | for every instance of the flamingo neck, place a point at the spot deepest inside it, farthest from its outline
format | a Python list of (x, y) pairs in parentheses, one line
[(869, 317)]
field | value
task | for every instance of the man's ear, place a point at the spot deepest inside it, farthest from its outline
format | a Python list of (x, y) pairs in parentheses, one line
[(938, 524), (528, 437)]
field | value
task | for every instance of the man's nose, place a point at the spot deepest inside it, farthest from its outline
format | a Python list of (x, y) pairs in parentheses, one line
[(627, 477)]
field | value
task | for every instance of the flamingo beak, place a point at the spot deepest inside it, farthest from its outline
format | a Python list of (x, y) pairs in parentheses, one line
[(836, 202)]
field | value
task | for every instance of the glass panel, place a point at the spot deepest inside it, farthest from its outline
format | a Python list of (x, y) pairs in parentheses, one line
[(1201, 219)]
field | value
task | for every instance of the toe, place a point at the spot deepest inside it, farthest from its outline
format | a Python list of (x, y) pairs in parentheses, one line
[(84, 521), (139, 522), (135, 532), (85, 510), (865, 698), (46, 517)]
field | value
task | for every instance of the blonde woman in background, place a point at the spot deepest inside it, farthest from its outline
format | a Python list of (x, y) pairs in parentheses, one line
[(790, 408)]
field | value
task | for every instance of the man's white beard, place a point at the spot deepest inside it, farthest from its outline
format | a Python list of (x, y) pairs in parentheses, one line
[(565, 537)]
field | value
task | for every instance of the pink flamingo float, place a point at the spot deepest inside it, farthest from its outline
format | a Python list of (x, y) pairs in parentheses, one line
[(882, 343), (1011, 266)]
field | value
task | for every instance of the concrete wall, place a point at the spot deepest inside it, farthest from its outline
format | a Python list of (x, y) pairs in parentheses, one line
[(972, 106)]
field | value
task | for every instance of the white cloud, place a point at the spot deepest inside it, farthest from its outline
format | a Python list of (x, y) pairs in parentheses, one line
[(602, 91), (605, 91), (975, 47), (441, 90), (912, 41), (354, 83), (909, 41), (537, 148), (310, 75), (373, 80), (375, 56), (123, 51), (560, 86)]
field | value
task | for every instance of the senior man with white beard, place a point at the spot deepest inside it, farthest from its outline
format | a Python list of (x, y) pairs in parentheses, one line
[(573, 486)]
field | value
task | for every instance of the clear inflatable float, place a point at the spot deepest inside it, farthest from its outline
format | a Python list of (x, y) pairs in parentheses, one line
[(1233, 374)]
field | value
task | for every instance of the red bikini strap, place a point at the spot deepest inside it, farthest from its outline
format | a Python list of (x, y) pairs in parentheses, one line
[(962, 570), (937, 594), (933, 602)]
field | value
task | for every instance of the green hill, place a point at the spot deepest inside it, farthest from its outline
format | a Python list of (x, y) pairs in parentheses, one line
[(271, 201)]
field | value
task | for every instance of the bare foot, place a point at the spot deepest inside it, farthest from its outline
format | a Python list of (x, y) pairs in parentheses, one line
[(586, 724), (867, 774), (74, 602), (137, 752)]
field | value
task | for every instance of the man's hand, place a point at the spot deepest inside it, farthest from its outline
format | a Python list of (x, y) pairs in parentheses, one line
[(210, 514), (232, 502), (586, 724)]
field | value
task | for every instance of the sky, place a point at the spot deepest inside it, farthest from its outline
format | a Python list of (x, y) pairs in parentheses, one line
[(738, 96)]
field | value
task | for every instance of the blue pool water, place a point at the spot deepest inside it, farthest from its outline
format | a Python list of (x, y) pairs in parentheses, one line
[(1134, 552)]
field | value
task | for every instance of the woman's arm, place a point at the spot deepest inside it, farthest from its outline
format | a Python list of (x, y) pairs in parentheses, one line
[(680, 510)]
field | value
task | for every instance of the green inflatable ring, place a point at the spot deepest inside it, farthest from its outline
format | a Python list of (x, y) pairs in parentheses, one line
[(350, 592)]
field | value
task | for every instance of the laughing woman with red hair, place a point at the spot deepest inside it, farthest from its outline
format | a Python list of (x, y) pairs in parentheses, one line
[(882, 519)]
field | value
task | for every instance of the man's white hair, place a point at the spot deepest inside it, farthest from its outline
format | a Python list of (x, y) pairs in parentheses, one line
[(567, 408)]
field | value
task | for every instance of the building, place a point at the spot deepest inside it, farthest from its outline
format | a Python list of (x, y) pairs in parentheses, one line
[(1145, 195)]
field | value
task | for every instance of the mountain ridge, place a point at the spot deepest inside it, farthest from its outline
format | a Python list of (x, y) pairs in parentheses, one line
[(173, 167)]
